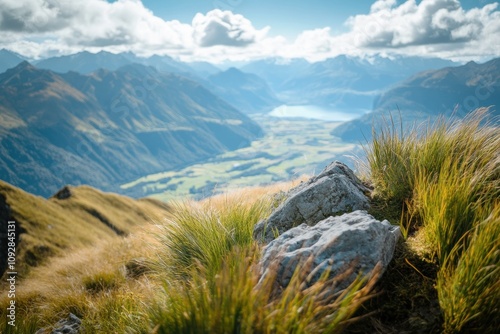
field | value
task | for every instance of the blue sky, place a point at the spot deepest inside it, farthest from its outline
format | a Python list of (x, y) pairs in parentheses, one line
[(286, 17), (244, 30)]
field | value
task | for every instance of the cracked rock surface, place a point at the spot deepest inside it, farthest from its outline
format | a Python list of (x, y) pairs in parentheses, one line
[(336, 190), (354, 243)]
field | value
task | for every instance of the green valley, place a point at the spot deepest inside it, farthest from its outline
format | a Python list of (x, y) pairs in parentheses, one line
[(291, 147)]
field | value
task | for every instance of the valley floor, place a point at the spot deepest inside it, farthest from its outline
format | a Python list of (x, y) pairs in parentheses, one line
[(291, 147)]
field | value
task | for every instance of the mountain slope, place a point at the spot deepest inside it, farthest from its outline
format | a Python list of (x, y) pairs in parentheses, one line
[(74, 217), (276, 71), (343, 83), (451, 91), (247, 92), (108, 127)]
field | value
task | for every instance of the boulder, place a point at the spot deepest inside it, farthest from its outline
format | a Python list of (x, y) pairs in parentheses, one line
[(64, 193), (71, 325), (354, 240), (336, 190)]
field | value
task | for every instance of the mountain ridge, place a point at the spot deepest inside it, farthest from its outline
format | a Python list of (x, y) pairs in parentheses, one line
[(71, 218), (74, 128), (449, 91)]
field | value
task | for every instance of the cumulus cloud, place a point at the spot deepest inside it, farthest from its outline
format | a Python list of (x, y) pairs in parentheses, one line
[(44, 27), (92, 23), (30, 16), (425, 23), (440, 28), (224, 28)]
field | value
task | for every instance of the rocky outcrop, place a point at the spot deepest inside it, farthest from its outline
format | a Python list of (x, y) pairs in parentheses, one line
[(70, 325), (351, 241), (336, 190)]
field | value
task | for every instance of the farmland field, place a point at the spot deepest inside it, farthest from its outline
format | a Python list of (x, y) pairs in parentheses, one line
[(290, 148)]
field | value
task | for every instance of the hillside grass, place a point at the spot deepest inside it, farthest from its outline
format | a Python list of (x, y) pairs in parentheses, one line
[(444, 181), (97, 284), (53, 227)]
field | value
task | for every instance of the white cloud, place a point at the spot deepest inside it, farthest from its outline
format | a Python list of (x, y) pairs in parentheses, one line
[(92, 23), (440, 28), (428, 22), (30, 16), (225, 28)]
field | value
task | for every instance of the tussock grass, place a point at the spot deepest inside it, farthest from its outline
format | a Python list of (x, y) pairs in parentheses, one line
[(469, 291), (205, 232), (210, 264), (444, 180), (234, 301), (91, 283)]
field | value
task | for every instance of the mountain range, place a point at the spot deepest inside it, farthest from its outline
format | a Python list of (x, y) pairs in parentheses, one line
[(249, 92), (104, 119), (108, 127), (341, 83), (450, 91)]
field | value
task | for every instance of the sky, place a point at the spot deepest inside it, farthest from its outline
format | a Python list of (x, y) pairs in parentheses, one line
[(244, 30)]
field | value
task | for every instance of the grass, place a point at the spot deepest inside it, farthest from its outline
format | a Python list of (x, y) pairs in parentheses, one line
[(91, 283), (52, 227), (469, 291), (236, 302), (210, 264), (203, 233), (444, 181)]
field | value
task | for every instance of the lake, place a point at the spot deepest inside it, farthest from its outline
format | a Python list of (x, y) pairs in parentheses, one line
[(316, 112)]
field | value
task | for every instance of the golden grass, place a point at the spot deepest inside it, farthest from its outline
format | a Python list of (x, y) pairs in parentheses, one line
[(56, 226), (94, 284), (235, 301)]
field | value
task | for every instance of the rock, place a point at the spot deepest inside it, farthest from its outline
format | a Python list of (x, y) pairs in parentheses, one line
[(336, 243), (64, 193), (336, 190), (71, 325)]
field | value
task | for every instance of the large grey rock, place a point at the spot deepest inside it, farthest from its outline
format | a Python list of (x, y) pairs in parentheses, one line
[(336, 190), (354, 240)]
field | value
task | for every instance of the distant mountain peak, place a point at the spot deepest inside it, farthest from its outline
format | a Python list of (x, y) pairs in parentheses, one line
[(22, 66)]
